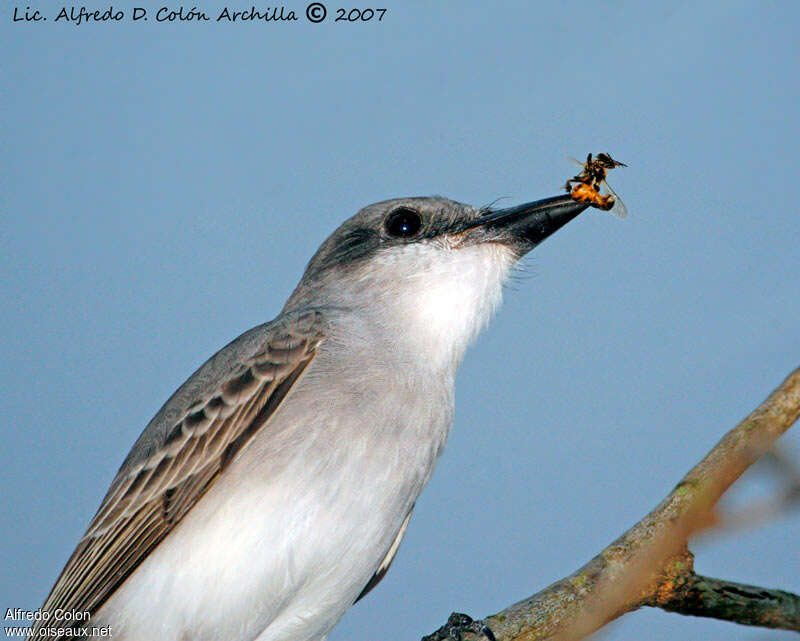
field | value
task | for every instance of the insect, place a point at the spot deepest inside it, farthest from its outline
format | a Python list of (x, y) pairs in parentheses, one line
[(588, 182)]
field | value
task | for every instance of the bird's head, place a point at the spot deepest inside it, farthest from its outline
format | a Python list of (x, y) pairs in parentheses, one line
[(428, 270)]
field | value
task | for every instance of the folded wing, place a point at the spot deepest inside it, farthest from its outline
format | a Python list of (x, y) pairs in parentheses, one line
[(187, 445)]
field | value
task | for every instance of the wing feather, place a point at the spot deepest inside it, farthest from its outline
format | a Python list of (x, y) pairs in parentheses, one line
[(383, 568), (176, 461)]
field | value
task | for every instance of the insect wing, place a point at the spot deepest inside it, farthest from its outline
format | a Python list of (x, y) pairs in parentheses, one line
[(619, 209), (577, 162)]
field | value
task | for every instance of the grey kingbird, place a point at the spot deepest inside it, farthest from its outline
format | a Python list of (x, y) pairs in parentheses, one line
[(273, 488)]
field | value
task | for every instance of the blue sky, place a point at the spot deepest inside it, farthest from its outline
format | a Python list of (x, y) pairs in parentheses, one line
[(163, 186)]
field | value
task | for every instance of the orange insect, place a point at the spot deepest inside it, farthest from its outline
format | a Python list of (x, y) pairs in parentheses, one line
[(591, 178)]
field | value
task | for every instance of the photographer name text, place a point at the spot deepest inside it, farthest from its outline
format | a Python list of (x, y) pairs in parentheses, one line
[(81, 15)]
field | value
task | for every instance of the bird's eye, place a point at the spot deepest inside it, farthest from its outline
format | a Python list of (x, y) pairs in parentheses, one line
[(403, 222)]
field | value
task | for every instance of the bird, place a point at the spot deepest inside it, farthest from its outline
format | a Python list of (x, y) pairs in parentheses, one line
[(273, 488)]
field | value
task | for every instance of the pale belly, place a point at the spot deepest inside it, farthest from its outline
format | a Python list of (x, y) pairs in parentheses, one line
[(286, 538)]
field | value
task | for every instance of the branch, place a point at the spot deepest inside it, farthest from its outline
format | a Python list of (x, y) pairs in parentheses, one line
[(650, 563), (706, 597), (785, 499)]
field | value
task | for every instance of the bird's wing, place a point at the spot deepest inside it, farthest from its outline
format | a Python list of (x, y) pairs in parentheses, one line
[(179, 455), (383, 568)]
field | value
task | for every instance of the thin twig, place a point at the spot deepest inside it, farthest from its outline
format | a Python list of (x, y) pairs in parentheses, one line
[(746, 604)]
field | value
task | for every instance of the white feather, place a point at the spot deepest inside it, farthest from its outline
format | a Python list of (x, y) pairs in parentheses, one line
[(446, 295)]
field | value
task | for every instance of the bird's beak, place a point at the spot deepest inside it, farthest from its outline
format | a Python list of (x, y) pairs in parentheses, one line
[(525, 226)]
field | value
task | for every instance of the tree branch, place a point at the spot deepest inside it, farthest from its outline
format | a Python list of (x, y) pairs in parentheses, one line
[(650, 563), (746, 604)]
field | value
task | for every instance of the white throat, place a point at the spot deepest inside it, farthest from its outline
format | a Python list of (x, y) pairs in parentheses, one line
[(443, 297)]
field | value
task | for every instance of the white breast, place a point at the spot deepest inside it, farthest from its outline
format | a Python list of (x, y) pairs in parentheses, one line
[(285, 539)]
